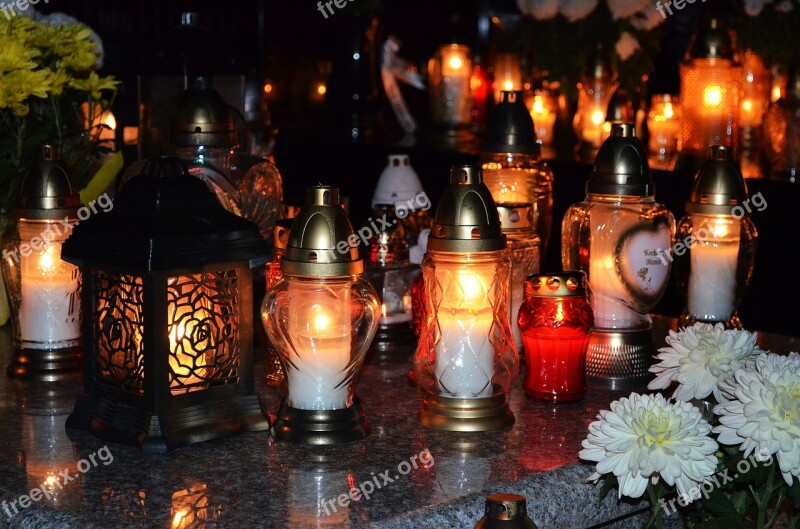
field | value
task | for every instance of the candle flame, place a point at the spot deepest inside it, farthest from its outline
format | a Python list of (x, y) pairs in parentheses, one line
[(322, 89), (669, 113), (177, 520), (538, 105), (777, 93), (46, 261), (559, 312), (598, 117), (747, 105), (712, 96), (508, 85), (320, 320), (455, 62)]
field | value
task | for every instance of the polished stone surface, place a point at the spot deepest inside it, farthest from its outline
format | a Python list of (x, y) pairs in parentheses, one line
[(251, 481)]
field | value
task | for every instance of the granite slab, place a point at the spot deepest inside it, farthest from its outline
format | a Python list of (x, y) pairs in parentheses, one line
[(252, 481)]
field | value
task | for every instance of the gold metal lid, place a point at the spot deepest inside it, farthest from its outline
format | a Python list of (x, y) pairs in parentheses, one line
[(719, 185), (559, 285), (466, 219), (47, 192), (506, 507), (318, 241), (202, 117), (621, 167), (712, 41), (515, 215)]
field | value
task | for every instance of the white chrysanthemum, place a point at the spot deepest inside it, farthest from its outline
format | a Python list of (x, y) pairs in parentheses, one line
[(539, 9), (702, 357), (626, 45), (627, 8), (645, 437), (753, 8), (764, 414), (575, 10)]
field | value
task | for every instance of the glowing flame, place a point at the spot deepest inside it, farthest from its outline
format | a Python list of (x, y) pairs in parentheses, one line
[(712, 96)]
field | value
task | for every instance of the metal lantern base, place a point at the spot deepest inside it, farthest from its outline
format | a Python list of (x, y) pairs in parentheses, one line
[(619, 355), (321, 427), (46, 366), (687, 320), (159, 433), (466, 415)]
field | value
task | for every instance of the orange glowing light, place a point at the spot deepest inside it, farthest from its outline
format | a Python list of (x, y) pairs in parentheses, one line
[(712, 96), (321, 89)]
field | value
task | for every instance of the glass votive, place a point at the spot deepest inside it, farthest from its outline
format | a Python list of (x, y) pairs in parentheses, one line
[(449, 75), (664, 128), (555, 320)]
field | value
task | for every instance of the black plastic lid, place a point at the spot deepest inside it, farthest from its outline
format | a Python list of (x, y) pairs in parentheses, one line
[(620, 167), (510, 126), (164, 219)]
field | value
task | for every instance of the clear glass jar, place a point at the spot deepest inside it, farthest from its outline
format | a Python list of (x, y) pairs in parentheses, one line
[(664, 129), (466, 347), (44, 290), (523, 245), (594, 93), (449, 76), (517, 178), (620, 242), (715, 270), (322, 328)]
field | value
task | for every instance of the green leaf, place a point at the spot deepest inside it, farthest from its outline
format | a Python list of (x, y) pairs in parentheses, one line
[(739, 500), (794, 493), (719, 505), (610, 482)]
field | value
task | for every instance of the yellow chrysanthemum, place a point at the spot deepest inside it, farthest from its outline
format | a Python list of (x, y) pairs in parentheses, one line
[(25, 83), (94, 84)]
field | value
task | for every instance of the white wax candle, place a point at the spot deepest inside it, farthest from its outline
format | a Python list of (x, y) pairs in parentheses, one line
[(319, 329), (50, 306), (712, 280), (464, 355)]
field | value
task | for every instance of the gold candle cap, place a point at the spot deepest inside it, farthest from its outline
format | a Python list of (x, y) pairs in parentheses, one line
[(466, 219), (320, 239), (558, 285), (506, 507), (718, 186), (46, 192), (713, 41)]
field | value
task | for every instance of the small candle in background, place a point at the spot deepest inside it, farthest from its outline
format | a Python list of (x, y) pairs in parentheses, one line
[(664, 128), (450, 75), (778, 85), (543, 112), (507, 74)]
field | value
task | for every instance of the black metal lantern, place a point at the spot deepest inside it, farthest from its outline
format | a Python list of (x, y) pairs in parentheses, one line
[(168, 314)]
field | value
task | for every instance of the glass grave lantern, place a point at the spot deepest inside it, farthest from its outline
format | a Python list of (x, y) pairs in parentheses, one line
[(595, 89), (715, 269), (710, 85), (44, 290), (512, 168), (619, 236), (321, 318), (466, 359), (276, 375), (168, 326)]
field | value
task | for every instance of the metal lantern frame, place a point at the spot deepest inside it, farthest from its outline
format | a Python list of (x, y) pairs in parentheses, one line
[(167, 255)]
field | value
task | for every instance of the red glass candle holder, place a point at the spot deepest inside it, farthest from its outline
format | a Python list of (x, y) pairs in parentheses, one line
[(555, 320)]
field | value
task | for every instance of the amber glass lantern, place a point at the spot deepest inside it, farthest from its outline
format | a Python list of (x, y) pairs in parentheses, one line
[(276, 375), (321, 318), (664, 130), (168, 327), (618, 236), (715, 268), (466, 359), (44, 290), (710, 84), (595, 89), (512, 168)]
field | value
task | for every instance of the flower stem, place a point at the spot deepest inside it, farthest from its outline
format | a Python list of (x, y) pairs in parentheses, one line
[(655, 492)]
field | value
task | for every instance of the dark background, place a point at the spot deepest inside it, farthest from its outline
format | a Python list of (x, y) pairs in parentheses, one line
[(291, 44)]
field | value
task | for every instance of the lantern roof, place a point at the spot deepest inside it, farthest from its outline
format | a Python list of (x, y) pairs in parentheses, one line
[(164, 219)]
